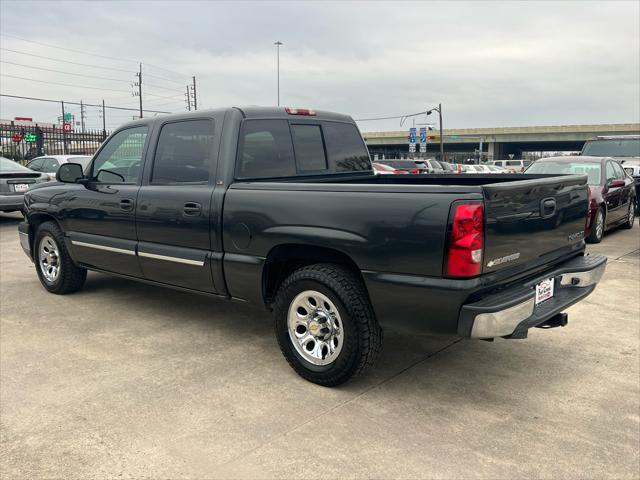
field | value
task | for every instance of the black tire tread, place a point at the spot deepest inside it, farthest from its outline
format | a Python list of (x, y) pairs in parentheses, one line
[(72, 277), (354, 296), (629, 224), (592, 238)]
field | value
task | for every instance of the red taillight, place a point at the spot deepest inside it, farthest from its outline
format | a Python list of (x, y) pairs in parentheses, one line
[(300, 111), (400, 172), (466, 241)]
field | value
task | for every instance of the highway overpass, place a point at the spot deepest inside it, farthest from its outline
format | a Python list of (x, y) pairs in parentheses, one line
[(497, 143)]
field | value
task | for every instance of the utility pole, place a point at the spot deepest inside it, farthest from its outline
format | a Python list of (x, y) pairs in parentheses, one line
[(277, 44), (104, 122), (188, 98), (64, 133), (82, 116), (140, 88), (195, 97)]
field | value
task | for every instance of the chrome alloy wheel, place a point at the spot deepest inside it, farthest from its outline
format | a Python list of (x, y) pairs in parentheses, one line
[(315, 327), (49, 258), (599, 224), (632, 213)]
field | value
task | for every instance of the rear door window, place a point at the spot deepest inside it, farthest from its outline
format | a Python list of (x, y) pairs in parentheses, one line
[(619, 171), (265, 150), (50, 165), (36, 164), (309, 148), (345, 147), (184, 153)]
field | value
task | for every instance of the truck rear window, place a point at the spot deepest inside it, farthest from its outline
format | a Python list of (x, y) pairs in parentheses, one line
[(273, 148), (345, 147)]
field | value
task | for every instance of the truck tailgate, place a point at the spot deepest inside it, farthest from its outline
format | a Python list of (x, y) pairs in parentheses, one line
[(532, 218)]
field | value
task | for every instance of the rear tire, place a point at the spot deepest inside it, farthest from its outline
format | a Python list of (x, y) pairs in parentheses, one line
[(56, 271), (631, 216), (597, 227), (331, 299)]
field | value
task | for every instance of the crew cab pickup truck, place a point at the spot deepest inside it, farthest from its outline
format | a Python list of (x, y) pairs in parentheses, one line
[(280, 207)]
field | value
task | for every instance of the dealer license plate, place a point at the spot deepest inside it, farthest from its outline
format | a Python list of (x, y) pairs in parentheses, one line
[(544, 290), (20, 187)]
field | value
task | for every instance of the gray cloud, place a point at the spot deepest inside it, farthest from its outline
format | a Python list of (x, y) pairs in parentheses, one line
[(489, 63)]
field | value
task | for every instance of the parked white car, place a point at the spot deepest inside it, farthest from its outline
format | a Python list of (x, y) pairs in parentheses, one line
[(49, 163), (512, 166)]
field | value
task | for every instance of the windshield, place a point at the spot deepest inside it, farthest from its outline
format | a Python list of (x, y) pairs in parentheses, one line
[(7, 165), (629, 147), (591, 169)]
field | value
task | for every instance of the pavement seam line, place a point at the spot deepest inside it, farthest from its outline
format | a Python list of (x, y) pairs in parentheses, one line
[(339, 405)]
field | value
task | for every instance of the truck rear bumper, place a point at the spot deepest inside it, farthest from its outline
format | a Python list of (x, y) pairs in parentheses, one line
[(512, 312), (468, 309)]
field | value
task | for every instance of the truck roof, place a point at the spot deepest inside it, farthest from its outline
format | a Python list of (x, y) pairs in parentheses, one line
[(248, 112)]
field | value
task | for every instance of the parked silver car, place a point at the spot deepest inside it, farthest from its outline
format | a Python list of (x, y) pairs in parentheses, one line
[(49, 163), (14, 181)]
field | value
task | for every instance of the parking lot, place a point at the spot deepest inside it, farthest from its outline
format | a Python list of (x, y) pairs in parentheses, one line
[(128, 380)]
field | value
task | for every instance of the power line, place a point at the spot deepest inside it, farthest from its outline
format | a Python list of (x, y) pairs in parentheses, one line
[(58, 83), (162, 96), (67, 49), (66, 61), (173, 89), (162, 78), (392, 118), (77, 103), (63, 72)]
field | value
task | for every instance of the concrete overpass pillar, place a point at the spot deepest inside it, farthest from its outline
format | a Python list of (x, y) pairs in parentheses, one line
[(495, 151)]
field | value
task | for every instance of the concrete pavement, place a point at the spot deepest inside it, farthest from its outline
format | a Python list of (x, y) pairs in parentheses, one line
[(129, 380)]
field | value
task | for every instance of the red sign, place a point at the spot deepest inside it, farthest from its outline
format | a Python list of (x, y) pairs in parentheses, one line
[(23, 119), (66, 126), (17, 137)]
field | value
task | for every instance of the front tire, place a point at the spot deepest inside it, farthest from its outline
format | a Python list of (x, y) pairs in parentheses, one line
[(631, 216), (325, 325), (56, 271), (597, 228)]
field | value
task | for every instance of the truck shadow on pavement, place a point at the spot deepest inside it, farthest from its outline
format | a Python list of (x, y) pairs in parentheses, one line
[(460, 370)]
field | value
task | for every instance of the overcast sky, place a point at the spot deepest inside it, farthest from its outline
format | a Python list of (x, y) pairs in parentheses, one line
[(490, 64)]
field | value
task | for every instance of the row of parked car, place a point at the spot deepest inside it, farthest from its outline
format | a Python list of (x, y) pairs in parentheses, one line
[(430, 165)]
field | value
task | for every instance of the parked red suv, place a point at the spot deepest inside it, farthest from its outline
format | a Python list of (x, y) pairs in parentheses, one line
[(611, 189)]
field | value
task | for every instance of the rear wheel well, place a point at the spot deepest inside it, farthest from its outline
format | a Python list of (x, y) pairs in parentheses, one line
[(283, 260)]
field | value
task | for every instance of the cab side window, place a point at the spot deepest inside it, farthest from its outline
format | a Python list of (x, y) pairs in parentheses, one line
[(184, 153), (120, 161), (265, 150)]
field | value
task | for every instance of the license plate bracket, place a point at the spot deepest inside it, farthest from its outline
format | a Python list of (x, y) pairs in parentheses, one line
[(544, 290)]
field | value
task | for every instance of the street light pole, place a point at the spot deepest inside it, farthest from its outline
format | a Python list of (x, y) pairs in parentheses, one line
[(439, 110), (277, 44), (441, 137)]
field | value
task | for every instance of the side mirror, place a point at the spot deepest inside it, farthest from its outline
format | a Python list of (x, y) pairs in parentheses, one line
[(616, 183), (69, 173)]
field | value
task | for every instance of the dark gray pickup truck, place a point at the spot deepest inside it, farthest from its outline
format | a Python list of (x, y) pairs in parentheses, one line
[(280, 207)]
